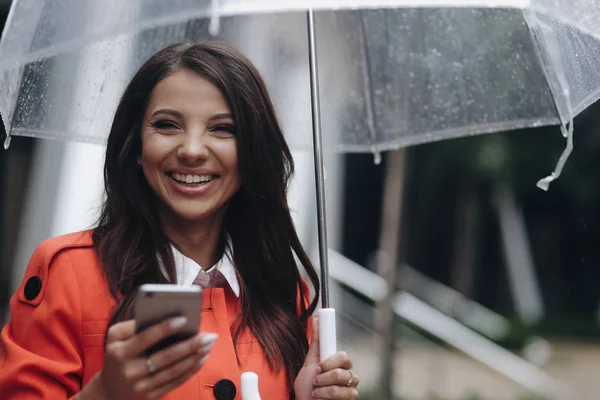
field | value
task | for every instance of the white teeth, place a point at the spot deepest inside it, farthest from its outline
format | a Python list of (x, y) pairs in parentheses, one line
[(191, 178)]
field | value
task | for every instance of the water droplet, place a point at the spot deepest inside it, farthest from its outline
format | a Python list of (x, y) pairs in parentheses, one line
[(377, 157), (7, 142)]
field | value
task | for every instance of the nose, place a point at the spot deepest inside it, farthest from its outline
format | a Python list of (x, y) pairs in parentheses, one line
[(193, 147)]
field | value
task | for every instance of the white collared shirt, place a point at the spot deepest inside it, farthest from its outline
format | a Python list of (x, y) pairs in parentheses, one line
[(187, 269)]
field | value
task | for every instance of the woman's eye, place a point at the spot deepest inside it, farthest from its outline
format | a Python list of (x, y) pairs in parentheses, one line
[(226, 130), (164, 124)]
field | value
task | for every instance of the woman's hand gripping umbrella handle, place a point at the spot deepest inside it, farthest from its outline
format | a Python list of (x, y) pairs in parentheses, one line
[(327, 348)]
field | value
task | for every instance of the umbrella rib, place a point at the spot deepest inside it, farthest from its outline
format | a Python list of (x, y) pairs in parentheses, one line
[(367, 80), (566, 127)]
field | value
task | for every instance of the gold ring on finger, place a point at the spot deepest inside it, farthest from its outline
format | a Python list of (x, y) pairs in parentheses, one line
[(150, 366), (352, 376)]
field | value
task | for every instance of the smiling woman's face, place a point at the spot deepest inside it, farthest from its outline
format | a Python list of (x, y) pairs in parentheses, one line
[(189, 151)]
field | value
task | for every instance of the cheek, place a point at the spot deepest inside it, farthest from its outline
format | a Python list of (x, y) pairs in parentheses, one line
[(154, 152), (228, 156), (155, 148)]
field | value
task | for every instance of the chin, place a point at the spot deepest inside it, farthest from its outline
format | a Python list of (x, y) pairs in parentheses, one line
[(191, 216), (193, 213)]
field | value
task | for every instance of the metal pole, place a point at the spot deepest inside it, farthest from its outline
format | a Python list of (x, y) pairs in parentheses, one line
[(318, 154)]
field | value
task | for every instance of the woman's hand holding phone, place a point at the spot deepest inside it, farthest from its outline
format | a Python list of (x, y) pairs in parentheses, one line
[(128, 373)]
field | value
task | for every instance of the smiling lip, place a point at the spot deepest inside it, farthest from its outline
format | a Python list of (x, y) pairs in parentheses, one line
[(189, 171), (201, 181)]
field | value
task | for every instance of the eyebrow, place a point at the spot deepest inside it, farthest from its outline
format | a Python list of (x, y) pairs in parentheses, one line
[(167, 112), (221, 116), (177, 114)]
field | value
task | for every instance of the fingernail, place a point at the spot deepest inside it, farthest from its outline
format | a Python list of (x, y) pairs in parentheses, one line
[(209, 338), (202, 361), (206, 348), (178, 322)]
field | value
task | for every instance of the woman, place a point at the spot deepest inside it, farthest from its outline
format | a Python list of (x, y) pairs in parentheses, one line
[(196, 173)]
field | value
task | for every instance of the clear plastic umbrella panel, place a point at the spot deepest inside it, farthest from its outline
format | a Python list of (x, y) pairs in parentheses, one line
[(390, 73)]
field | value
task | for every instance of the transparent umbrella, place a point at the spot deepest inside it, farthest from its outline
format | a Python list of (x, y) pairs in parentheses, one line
[(374, 75), (393, 73)]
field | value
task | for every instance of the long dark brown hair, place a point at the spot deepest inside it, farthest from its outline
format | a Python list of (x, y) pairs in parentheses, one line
[(129, 237)]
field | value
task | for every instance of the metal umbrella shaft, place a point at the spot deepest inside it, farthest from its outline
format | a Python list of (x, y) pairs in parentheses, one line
[(327, 326), (318, 156)]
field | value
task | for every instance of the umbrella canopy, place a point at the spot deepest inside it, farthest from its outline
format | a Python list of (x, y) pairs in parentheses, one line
[(392, 73)]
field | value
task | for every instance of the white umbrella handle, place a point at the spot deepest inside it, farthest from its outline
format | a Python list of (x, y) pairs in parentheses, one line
[(327, 333), (250, 386)]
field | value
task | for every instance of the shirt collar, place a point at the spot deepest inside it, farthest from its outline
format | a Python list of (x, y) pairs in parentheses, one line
[(187, 269)]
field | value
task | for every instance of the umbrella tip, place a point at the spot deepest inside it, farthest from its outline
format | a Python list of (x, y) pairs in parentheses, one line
[(377, 157), (544, 183), (7, 141)]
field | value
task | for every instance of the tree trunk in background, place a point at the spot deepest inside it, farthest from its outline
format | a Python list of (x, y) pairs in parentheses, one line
[(522, 275), (465, 242), (387, 261)]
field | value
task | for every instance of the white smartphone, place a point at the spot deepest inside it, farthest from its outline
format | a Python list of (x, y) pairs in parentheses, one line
[(156, 302)]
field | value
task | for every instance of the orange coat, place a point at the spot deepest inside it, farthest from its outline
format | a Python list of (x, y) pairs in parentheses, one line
[(54, 341)]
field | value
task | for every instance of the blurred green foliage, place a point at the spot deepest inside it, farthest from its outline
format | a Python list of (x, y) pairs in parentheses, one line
[(562, 224)]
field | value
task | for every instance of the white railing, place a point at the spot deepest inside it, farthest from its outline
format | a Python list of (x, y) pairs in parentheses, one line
[(452, 332)]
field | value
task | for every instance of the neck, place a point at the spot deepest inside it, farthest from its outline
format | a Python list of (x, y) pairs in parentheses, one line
[(197, 240)]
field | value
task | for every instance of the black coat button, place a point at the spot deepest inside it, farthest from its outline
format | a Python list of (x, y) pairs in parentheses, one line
[(224, 390), (32, 288)]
